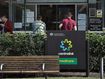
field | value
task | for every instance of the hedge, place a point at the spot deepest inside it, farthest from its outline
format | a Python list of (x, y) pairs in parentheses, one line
[(22, 44), (96, 49)]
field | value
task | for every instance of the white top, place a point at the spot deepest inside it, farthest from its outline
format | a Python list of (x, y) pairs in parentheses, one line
[(39, 26)]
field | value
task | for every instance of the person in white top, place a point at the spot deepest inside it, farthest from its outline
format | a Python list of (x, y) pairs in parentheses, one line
[(39, 26)]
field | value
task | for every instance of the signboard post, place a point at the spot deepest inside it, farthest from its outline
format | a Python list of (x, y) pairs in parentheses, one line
[(71, 48)]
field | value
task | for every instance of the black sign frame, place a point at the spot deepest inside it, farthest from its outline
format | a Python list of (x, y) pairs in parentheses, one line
[(85, 65)]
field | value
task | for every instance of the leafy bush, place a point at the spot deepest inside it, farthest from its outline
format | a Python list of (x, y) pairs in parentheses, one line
[(21, 44), (96, 49)]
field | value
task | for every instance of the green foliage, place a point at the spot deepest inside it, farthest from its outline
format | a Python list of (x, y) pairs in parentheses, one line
[(96, 49), (21, 44)]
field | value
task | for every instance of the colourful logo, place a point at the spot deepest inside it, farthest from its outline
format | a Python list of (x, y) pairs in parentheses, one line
[(66, 45)]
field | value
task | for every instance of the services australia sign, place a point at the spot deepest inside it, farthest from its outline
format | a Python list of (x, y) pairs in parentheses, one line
[(70, 46), (65, 50)]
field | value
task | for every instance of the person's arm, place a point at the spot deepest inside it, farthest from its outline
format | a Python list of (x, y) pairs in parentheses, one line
[(60, 26), (2, 25), (75, 26)]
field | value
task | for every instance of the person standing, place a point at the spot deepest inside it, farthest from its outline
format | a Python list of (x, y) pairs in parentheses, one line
[(68, 23), (39, 26), (7, 25)]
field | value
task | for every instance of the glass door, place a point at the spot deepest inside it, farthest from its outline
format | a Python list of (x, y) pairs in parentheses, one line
[(64, 9), (49, 14), (54, 14)]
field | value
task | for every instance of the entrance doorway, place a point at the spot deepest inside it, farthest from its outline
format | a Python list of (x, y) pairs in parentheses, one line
[(53, 14)]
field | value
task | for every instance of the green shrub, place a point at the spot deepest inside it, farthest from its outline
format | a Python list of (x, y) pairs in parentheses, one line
[(21, 44), (96, 49)]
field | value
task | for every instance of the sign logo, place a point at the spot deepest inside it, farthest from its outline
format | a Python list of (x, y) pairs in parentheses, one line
[(66, 45)]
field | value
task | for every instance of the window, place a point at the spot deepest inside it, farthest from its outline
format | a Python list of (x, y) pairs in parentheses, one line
[(82, 17), (21, 17)]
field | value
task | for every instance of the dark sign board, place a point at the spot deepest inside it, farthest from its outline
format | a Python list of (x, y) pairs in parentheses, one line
[(70, 46), (95, 24)]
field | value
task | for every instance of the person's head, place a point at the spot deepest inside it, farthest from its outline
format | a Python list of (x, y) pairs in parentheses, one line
[(4, 18), (39, 17), (69, 14)]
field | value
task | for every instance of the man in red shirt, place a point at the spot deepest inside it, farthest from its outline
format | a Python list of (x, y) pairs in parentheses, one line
[(68, 23), (7, 26)]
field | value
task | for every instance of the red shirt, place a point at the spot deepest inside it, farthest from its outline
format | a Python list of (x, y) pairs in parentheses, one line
[(68, 24), (8, 26)]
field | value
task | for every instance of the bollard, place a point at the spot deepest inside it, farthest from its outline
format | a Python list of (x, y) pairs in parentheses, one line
[(102, 69)]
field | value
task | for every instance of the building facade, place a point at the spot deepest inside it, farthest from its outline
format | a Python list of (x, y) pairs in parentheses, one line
[(86, 13)]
